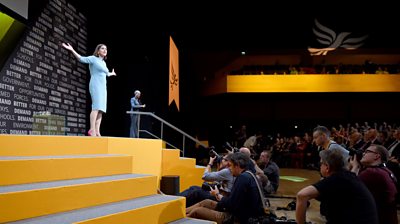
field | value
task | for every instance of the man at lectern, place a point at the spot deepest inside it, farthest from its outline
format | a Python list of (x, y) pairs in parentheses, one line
[(135, 106)]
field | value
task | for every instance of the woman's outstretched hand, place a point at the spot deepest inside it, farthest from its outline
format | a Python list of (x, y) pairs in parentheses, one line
[(112, 73), (67, 46)]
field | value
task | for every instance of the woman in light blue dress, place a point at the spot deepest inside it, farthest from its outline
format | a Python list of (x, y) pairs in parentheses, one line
[(97, 85)]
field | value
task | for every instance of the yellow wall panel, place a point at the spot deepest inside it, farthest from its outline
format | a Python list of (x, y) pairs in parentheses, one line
[(312, 83), (147, 153)]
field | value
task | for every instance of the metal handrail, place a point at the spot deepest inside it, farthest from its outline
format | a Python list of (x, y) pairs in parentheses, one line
[(184, 134), (155, 136)]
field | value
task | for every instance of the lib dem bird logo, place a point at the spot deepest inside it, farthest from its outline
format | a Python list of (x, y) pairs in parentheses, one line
[(174, 78), (329, 38)]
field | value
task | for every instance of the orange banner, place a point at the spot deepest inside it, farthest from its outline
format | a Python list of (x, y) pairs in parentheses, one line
[(173, 81)]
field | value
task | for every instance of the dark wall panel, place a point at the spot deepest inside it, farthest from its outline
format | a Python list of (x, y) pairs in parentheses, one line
[(42, 87)]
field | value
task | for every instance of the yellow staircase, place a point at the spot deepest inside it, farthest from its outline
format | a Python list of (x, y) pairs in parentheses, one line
[(185, 168), (65, 179)]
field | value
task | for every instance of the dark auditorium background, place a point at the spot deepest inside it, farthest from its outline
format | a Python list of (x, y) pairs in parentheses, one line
[(208, 36)]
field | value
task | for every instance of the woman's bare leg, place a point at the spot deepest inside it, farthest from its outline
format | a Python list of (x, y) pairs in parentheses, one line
[(98, 123), (93, 118)]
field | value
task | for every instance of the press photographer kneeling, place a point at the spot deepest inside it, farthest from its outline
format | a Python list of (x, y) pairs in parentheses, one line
[(380, 181), (222, 178), (244, 201)]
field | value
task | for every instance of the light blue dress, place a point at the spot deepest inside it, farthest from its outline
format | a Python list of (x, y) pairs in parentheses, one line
[(98, 81)]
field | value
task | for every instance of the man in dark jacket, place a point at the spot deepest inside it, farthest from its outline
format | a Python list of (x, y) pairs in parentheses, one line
[(243, 202)]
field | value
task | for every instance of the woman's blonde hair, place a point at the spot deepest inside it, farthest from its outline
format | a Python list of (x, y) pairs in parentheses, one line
[(96, 50)]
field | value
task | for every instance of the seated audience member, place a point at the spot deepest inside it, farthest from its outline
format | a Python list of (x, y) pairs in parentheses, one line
[(222, 178), (394, 159), (344, 198), (271, 170), (394, 147), (356, 140), (379, 180), (371, 137), (243, 202)]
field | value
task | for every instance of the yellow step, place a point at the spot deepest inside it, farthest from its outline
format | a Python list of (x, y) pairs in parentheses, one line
[(147, 152), (192, 221), (170, 158), (181, 164), (32, 200), (32, 145), (170, 155), (160, 213), (187, 176), (187, 162), (21, 170), (149, 209)]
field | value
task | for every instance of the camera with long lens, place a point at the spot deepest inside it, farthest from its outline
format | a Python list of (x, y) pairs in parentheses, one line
[(213, 153), (229, 147), (358, 153), (207, 186)]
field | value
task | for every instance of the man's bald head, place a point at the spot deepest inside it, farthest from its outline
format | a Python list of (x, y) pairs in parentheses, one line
[(245, 151)]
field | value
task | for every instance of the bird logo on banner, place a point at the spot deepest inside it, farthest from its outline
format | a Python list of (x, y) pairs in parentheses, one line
[(174, 78), (332, 41)]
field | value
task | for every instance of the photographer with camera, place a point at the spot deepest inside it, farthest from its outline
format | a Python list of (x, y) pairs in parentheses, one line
[(229, 148), (222, 178), (380, 181), (243, 202)]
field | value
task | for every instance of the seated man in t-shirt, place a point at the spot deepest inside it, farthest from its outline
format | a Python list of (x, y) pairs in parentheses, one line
[(344, 198)]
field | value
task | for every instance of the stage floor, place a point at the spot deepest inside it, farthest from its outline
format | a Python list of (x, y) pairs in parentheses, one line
[(292, 181)]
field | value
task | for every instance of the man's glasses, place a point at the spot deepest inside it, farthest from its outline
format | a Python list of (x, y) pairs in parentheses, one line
[(367, 151)]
